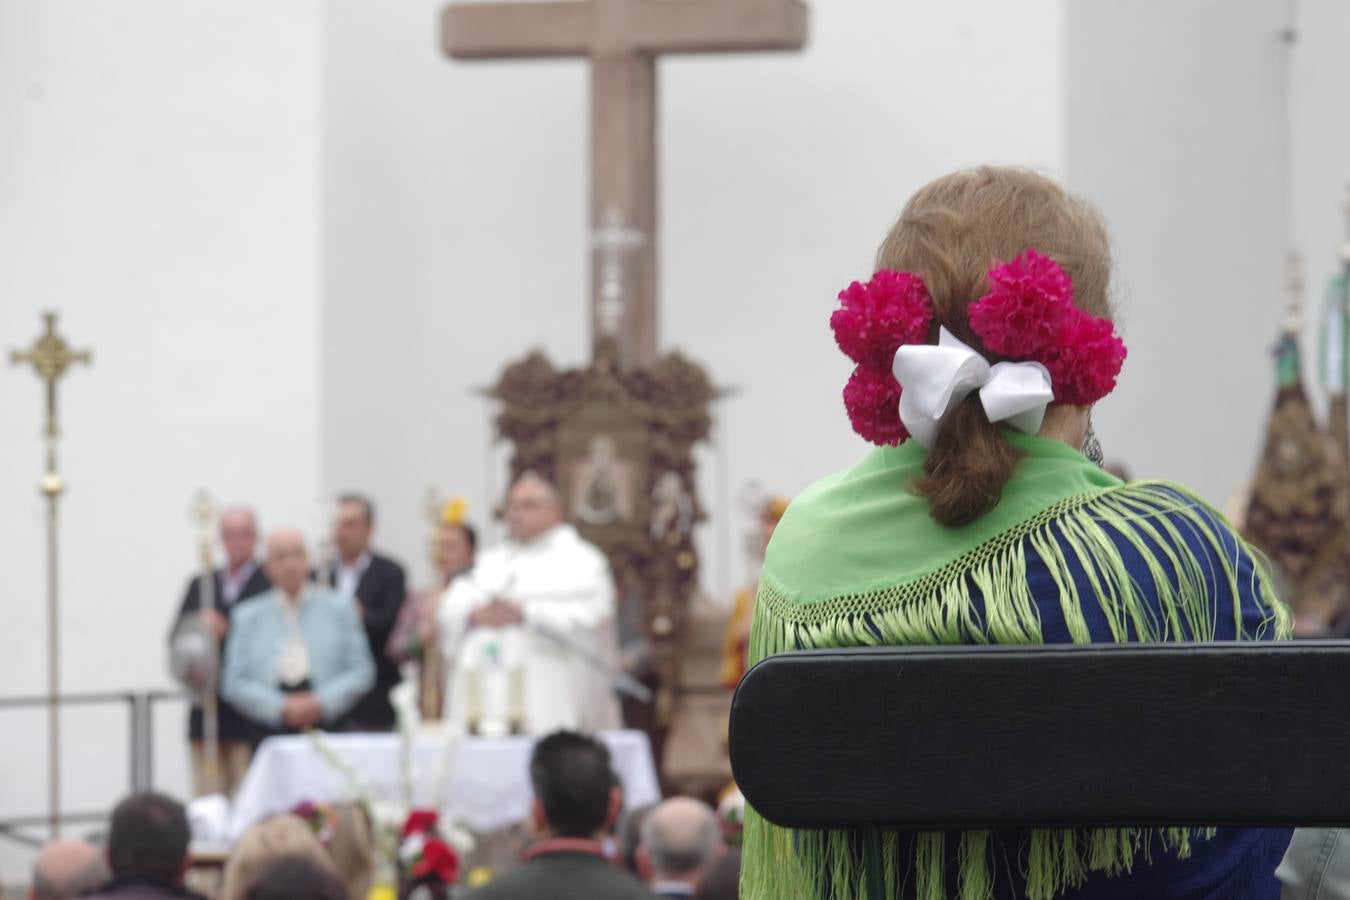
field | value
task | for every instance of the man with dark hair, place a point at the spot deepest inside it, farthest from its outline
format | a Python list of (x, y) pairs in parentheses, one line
[(147, 850), (379, 586), (575, 802), (67, 869)]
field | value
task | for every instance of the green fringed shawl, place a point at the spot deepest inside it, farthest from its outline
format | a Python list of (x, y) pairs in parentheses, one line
[(858, 561)]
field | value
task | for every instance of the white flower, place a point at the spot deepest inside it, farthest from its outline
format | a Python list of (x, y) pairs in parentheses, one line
[(461, 840), (412, 846)]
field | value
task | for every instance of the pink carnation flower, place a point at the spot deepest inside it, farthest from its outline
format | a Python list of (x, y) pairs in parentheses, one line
[(1085, 360), (1020, 317), (872, 398), (1029, 314), (891, 309), (1031, 271)]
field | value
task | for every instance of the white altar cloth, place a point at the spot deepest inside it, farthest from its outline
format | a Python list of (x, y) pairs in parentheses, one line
[(488, 787)]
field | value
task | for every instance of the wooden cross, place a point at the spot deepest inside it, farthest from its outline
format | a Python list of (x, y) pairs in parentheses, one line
[(50, 356), (622, 38)]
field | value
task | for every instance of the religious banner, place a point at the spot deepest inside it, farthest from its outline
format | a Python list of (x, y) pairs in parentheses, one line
[(1299, 513)]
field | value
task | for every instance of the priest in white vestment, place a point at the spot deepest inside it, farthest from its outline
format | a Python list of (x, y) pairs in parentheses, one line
[(506, 627)]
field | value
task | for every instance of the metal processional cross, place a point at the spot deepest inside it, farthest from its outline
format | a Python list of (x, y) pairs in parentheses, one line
[(50, 356), (623, 39)]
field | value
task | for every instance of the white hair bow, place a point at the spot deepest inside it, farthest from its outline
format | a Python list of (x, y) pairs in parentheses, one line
[(934, 378)]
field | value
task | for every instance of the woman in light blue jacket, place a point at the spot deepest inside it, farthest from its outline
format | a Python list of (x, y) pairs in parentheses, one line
[(298, 657)]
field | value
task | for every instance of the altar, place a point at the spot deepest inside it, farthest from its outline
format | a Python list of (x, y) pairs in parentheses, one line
[(484, 782)]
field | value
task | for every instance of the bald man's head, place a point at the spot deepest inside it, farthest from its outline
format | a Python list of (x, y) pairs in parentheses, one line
[(66, 869), (680, 839), (239, 535), (532, 508), (287, 560)]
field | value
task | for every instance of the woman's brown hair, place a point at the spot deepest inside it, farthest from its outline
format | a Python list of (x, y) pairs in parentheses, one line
[(265, 843), (951, 233)]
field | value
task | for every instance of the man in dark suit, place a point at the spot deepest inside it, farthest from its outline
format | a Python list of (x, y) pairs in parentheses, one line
[(240, 579), (576, 800), (379, 587)]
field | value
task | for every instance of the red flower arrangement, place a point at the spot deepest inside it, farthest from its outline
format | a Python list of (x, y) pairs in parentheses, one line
[(1084, 364), (1028, 314), (872, 398), (437, 860), (875, 319), (424, 856), (421, 821), (1021, 315)]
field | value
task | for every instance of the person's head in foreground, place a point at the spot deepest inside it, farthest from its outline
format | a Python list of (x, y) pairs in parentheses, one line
[(574, 792), (681, 838), (352, 847), (576, 804), (148, 839), (65, 869), (1014, 268), (280, 837), (981, 345), (298, 878)]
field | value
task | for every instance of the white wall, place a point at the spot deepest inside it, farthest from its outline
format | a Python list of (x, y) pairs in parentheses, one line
[(1174, 130), (455, 210), (159, 187)]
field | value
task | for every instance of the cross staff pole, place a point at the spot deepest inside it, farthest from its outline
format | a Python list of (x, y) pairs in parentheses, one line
[(430, 669), (203, 512), (50, 356)]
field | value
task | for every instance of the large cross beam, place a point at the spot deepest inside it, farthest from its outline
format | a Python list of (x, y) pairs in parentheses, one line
[(622, 38)]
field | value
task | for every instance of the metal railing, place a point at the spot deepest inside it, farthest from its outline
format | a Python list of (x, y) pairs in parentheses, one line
[(140, 750)]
